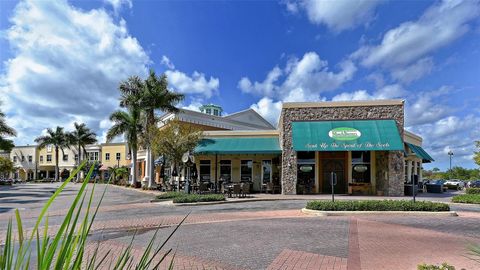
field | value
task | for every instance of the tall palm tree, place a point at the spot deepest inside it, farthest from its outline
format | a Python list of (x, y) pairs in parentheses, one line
[(57, 138), (155, 96), (5, 130), (128, 124), (80, 137)]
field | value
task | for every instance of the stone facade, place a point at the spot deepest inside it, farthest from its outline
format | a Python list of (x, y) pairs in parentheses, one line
[(391, 183)]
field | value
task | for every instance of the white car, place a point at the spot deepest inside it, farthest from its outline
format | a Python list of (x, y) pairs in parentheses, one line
[(455, 184)]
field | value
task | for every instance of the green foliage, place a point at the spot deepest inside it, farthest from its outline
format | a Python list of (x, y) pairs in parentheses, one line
[(374, 205), (466, 198), (66, 249), (80, 137), (170, 195), (192, 198), (444, 266), (175, 139), (476, 154), (472, 190), (5, 131), (6, 166), (455, 173)]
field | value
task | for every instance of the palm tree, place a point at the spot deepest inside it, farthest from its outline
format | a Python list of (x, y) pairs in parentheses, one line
[(80, 137), (5, 130), (57, 138), (155, 96), (128, 124)]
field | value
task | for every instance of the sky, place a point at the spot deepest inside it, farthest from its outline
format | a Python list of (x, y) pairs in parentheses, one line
[(62, 61)]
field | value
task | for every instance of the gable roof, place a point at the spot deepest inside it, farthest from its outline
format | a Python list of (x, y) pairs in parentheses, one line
[(248, 115)]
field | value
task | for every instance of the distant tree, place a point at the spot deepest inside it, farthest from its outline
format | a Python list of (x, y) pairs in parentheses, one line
[(80, 137), (435, 169), (6, 131), (476, 154), (175, 139), (6, 167), (58, 139)]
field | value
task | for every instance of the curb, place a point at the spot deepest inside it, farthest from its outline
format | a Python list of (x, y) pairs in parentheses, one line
[(223, 202), (352, 213)]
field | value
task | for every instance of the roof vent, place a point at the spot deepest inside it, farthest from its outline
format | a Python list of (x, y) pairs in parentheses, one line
[(211, 109)]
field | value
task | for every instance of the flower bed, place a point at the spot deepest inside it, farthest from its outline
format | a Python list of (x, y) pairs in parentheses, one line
[(374, 205), (467, 198), (170, 195)]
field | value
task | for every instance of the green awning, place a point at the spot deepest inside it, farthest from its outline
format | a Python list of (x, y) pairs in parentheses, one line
[(418, 150), (358, 135), (239, 145)]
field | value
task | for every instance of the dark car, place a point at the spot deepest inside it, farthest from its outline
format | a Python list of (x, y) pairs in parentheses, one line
[(475, 184)]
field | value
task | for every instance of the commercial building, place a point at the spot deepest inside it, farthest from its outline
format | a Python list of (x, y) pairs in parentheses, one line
[(360, 144)]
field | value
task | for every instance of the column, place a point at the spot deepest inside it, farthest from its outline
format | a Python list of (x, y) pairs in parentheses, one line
[(415, 169), (409, 170), (420, 172), (147, 177)]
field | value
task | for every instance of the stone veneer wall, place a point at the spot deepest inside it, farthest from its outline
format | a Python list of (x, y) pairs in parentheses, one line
[(392, 186)]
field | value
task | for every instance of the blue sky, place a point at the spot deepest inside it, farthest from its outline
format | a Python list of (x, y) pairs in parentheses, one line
[(62, 60)]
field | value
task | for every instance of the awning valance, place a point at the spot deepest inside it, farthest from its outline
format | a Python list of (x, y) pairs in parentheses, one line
[(420, 152), (357, 135), (239, 145)]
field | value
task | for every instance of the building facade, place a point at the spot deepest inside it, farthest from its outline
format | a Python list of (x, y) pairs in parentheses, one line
[(361, 146), (24, 159)]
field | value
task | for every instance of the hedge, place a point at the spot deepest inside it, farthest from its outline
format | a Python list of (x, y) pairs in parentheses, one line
[(467, 198), (377, 205), (473, 190), (192, 198), (170, 195)]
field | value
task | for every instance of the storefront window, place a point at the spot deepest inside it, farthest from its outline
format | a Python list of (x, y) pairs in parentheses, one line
[(226, 170), (205, 166), (246, 168), (266, 171), (305, 172), (361, 166)]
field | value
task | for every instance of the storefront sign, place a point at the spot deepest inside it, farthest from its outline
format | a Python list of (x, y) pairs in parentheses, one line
[(344, 134)]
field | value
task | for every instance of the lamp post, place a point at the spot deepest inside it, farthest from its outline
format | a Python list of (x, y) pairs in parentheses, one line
[(450, 154)]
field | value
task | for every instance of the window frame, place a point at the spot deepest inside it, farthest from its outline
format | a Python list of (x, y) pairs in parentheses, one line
[(241, 171), (208, 163), (224, 165), (107, 156)]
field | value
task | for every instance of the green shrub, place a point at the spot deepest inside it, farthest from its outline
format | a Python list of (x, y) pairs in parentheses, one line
[(192, 198), (444, 266), (473, 190), (373, 205), (170, 195), (467, 198)]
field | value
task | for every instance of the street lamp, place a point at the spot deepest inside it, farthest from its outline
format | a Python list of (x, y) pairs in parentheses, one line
[(450, 154)]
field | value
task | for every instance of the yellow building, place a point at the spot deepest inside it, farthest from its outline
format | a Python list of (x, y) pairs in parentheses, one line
[(46, 162), (113, 155)]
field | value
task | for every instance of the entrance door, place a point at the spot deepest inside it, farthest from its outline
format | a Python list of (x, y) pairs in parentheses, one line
[(338, 167)]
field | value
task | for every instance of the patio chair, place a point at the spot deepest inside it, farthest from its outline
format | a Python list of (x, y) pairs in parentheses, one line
[(270, 188), (203, 187), (245, 189), (237, 190)]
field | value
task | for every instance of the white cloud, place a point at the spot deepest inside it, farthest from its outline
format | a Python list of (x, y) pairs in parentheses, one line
[(413, 72), (166, 62), (118, 4), (66, 66), (386, 92), (195, 84), (337, 15), (441, 24), (451, 133), (426, 107), (268, 109), (194, 105), (302, 78)]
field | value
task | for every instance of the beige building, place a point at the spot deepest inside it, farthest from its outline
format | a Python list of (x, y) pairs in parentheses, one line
[(25, 160), (113, 155), (46, 162)]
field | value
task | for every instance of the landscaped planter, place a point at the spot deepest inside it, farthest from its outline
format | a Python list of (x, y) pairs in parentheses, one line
[(378, 205)]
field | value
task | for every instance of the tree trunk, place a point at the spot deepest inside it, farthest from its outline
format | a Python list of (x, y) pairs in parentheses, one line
[(79, 160), (56, 164), (134, 167), (151, 180)]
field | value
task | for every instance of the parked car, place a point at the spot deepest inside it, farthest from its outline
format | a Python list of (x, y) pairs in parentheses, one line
[(475, 184), (454, 184)]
